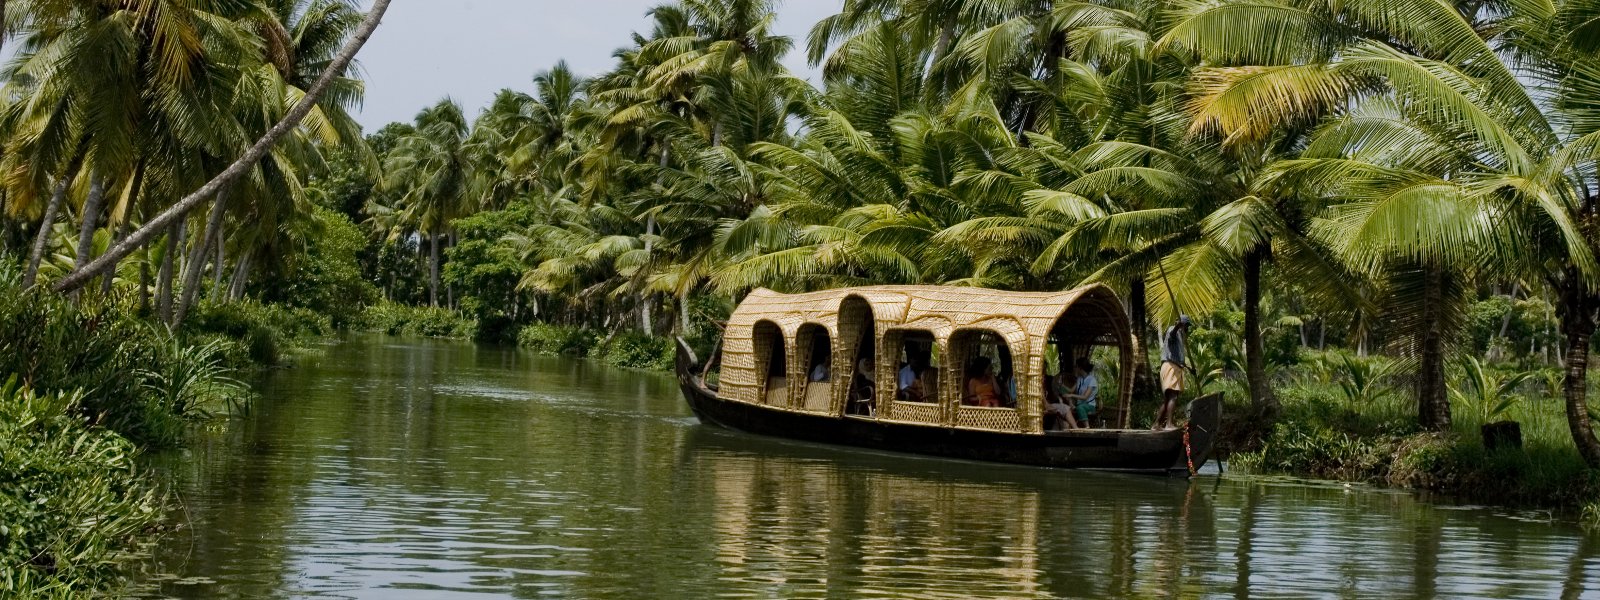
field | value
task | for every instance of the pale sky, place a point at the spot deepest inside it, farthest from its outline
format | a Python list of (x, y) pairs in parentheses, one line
[(470, 49)]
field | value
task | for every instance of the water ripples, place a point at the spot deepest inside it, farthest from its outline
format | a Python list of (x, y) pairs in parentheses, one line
[(450, 471)]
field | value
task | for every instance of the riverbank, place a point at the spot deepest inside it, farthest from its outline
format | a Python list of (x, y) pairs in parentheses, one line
[(88, 387), (1347, 434)]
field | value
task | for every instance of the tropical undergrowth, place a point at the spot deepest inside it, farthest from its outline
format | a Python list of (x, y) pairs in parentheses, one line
[(1350, 418), (75, 507), (400, 319), (628, 349), (88, 387), (252, 333)]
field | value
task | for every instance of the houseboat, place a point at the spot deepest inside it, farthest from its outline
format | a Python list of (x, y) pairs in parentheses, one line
[(945, 371)]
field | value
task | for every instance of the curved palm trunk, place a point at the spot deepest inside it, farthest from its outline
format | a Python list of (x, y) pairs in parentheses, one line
[(1433, 402), (51, 210), (1578, 323), (240, 167), (1261, 396), (194, 268)]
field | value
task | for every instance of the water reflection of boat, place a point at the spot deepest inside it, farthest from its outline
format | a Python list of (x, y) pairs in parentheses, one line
[(870, 523), (919, 342)]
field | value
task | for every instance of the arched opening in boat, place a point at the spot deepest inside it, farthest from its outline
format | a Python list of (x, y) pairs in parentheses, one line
[(1089, 356), (771, 363), (988, 371), (815, 345), (858, 343)]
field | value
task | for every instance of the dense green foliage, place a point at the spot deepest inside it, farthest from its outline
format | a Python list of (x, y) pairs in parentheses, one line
[(264, 331), (90, 386), (73, 503), (133, 378), (326, 278), (1401, 179), (400, 319), (628, 349)]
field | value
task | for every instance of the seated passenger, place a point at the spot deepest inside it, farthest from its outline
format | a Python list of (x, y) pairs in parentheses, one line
[(819, 372), (1058, 407), (1008, 386), (981, 389), (1085, 396), (907, 377)]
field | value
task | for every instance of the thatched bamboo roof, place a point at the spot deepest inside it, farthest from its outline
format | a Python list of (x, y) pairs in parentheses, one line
[(1025, 320)]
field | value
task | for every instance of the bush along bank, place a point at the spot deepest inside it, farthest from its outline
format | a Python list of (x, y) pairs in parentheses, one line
[(74, 505), (400, 319), (252, 334), (87, 388), (627, 349), (1348, 419)]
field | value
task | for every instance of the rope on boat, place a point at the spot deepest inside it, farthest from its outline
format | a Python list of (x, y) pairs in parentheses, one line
[(1188, 451)]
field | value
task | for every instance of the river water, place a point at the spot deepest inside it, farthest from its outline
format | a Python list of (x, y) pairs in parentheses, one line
[(416, 469)]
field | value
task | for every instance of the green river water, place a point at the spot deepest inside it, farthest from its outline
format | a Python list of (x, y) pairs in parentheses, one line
[(417, 469)]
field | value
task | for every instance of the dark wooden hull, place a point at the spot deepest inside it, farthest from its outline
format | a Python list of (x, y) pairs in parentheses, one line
[(1113, 450)]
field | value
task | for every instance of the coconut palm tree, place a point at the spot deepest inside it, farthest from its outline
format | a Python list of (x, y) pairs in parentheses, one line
[(238, 168), (430, 172), (1445, 118)]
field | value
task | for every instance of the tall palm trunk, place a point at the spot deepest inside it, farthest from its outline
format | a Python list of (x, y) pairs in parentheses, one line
[(1255, 360), (52, 209), (110, 278), (646, 301), (685, 326), (1577, 311), (241, 277), (144, 283), (135, 187), (240, 167), (433, 270), (91, 217), (1138, 316), (217, 265), (194, 268), (1433, 402), (168, 265)]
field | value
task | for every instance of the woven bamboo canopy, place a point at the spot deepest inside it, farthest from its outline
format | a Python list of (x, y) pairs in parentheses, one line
[(952, 320)]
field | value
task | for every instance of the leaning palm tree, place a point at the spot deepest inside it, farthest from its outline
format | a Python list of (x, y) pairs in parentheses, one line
[(84, 272)]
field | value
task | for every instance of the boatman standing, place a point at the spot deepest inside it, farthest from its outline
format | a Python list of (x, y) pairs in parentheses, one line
[(1172, 367)]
